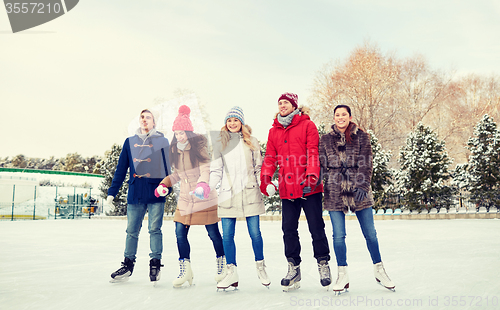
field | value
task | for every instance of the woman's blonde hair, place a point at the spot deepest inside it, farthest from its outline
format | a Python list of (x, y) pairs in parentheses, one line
[(246, 132)]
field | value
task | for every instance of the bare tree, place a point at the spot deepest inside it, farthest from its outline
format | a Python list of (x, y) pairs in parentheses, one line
[(366, 81)]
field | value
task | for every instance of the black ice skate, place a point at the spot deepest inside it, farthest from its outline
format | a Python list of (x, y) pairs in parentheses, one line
[(154, 270), (325, 276), (123, 274), (292, 279)]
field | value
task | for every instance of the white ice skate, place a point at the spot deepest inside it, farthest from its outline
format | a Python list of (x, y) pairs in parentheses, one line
[(221, 268), (342, 283), (262, 274), (382, 277), (185, 275), (230, 280)]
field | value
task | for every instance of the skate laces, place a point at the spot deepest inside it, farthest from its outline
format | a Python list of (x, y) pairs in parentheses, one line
[(292, 271), (221, 261), (182, 265), (324, 269)]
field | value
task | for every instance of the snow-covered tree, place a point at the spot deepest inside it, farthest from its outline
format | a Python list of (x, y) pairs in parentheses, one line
[(423, 175), (483, 170), (461, 177), (19, 161), (74, 162), (381, 176), (272, 203), (108, 168)]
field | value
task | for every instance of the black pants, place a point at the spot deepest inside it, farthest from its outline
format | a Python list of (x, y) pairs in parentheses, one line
[(313, 209)]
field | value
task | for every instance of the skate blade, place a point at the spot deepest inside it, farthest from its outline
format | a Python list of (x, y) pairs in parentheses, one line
[(292, 287), (393, 289), (230, 288), (338, 293), (183, 286), (121, 280)]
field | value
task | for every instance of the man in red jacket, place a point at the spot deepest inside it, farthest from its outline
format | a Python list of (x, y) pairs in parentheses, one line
[(292, 145)]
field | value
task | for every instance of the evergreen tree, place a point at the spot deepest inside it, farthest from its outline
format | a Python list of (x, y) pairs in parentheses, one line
[(483, 169), (381, 176), (423, 175), (108, 168)]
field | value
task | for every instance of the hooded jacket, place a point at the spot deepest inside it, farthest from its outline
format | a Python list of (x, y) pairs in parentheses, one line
[(294, 150), (237, 169), (190, 209), (142, 156)]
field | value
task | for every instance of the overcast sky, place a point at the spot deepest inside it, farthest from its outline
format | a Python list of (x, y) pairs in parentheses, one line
[(74, 84)]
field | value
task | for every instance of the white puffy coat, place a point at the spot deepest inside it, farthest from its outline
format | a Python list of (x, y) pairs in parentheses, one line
[(237, 169)]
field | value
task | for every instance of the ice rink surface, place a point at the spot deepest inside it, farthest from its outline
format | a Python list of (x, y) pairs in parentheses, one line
[(66, 264)]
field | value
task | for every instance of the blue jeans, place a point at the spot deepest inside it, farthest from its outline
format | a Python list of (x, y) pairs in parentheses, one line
[(181, 232), (228, 228), (135, 216), (365, 218)]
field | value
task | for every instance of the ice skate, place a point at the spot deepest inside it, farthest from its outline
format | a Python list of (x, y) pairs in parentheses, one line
[(262, 274), (185, 275), (325, 276), (230, 280), (123, 273), (154, 270), (382, 277), (221, 268), (342, 283), (292, 279)]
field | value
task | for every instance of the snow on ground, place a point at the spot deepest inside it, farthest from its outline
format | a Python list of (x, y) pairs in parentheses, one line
[(66, 264)]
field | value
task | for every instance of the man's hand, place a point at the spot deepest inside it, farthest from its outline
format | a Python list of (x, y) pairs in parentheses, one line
[(266, 185), (109, 200)]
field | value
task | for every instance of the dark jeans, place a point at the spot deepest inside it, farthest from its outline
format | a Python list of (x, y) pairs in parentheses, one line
[(313, 210), (181, 232)]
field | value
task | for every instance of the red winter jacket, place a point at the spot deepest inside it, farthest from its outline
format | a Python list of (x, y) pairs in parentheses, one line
[(295, 150)]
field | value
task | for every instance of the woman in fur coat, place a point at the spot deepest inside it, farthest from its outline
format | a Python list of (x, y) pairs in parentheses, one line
[(346, 158)]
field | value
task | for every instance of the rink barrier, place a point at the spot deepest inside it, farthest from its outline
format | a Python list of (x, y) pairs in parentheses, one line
[(277, 218)]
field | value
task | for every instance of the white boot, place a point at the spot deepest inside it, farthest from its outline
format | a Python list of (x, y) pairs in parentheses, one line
[(221, 268), (186, 274), (342, 280), (382, 277), (261, 272), (231, 278)]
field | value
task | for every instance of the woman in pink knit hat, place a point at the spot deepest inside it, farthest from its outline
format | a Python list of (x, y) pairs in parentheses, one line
[(196, 204)]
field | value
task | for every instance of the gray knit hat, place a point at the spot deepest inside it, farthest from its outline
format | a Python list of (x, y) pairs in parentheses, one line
[(236, 112)]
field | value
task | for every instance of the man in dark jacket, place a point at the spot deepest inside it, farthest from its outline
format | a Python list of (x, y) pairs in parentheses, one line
[(293, 146), (145, 156)]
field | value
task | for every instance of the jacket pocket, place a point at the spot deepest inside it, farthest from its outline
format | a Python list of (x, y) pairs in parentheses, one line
[(252, 193), (225, 197)]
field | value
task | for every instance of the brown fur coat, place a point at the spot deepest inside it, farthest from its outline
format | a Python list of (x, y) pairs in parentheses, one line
[(346, 166)]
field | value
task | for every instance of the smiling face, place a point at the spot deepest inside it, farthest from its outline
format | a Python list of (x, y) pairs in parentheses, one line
[(147, 122), (285, 107), (342, 119), (233, 124), (181, 136)]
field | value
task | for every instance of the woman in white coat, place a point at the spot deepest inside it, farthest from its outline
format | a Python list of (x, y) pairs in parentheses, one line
[(236, 166)]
